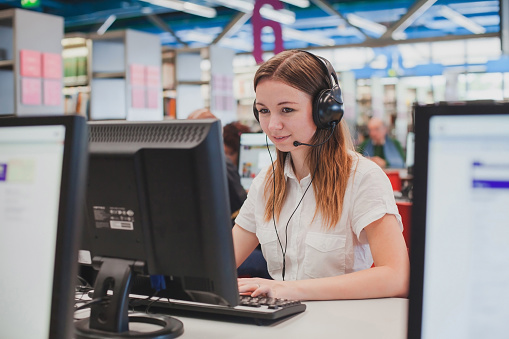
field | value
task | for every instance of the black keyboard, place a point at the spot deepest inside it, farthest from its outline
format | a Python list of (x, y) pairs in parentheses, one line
[(261, 310)]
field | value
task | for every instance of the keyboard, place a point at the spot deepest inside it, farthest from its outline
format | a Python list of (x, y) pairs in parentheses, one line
[(261, 310)]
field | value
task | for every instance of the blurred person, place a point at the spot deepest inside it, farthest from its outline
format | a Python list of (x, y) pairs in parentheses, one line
[(386, 152), (255, 264), (236, 191), (231, 139)]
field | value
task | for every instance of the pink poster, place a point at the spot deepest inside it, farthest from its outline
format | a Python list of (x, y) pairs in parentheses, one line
[(51, 66), (137, 75), (138, 97), (30, 63), (152, 97), (31, 91), (153, 76), (52, 92)]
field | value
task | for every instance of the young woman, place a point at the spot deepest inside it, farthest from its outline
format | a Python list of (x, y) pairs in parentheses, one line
[(320, 242)]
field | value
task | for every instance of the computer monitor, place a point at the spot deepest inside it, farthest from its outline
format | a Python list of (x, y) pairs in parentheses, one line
[(410, 151), (157, 204), (460, 239), (42, 178), (254, 156)]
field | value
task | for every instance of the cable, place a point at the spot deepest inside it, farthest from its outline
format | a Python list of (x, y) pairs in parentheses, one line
[(295, 210), (92, 302)]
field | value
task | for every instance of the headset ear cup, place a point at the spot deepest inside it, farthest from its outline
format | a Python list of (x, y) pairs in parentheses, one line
[(255, 112), (318, 107), (328, 107)]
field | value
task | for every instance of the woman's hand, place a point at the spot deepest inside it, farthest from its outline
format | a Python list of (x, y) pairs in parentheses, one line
[(265, 287)]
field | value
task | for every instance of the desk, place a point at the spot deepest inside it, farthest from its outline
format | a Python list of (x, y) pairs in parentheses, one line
[(372, 318), (352, 319)]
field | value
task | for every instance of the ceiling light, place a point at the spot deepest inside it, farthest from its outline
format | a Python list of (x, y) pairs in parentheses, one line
[(294, 34), (423, 7), (268, 12), (107, 23), (366, 24), (185, 6), (461, 20), (298, 3)]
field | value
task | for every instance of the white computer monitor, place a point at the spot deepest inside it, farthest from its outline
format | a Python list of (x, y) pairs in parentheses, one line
[(42, 178), (254, 155), (460, 224)]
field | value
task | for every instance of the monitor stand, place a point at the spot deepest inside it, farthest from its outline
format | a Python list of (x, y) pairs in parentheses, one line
[(110, 319)]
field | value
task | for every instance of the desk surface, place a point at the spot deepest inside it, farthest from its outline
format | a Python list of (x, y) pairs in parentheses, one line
[(352, 319), (373, 318)]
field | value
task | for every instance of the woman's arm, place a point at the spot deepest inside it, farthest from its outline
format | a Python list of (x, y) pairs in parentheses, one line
[(244, 242), (389, 277)]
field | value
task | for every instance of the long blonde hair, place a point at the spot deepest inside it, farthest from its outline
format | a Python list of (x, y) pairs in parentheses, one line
[(331, 160)]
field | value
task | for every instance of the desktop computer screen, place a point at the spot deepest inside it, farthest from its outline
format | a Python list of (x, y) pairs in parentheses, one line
[(42, 177), (460, 233), (157, 204), (253, 156)]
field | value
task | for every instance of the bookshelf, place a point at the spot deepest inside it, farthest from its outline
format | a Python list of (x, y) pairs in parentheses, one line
[(124, 72), (31, 72), (204, 78)]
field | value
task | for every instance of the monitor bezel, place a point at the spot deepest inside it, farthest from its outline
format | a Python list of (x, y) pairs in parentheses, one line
[(72, 190), (423, 115)]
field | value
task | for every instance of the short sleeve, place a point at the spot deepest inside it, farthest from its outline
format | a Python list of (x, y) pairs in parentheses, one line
[(373, 199), (253, 204)]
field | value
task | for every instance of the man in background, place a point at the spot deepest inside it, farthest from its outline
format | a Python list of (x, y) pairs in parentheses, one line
[(379, 147)]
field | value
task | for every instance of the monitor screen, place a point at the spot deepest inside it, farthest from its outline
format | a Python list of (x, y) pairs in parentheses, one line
[(157, 196), (460, 239), (42, 176), (253, 156)]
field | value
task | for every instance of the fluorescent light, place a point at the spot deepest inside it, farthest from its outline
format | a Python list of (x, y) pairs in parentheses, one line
[(268, 12), (366, 24), (104, 27), (461, 20), (185, 6), (397, 34), (298, 3), (281, 15), (307, 37)]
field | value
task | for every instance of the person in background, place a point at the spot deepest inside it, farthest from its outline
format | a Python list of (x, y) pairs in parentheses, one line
[(362, 134), (255, 264), (386, 152), (231, 139), (319, 242), (236, 191)]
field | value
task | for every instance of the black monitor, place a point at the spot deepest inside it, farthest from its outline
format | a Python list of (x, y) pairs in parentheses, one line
[(157, 204), (460, 239), (42, 179)]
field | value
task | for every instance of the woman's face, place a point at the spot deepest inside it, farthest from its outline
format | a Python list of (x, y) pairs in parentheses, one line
[(285, 114)]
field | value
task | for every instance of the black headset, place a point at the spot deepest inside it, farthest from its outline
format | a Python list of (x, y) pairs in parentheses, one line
[(328, 104)]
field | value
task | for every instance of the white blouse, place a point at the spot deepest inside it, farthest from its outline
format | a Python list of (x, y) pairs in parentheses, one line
[(313, 251)]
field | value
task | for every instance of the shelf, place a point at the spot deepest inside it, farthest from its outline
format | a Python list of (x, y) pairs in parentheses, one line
[(194, 82), (108, 75), (80, 80), (6, 64)]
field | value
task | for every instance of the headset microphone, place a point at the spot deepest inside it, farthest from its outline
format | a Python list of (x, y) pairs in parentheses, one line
[(333, 126)]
